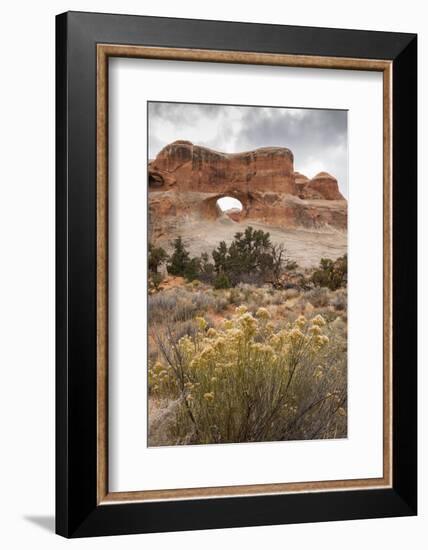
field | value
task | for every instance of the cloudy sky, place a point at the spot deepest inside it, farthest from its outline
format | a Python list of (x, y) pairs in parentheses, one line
[(317, 137)]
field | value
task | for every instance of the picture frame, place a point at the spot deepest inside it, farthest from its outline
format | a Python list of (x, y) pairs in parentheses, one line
[(84, 44)]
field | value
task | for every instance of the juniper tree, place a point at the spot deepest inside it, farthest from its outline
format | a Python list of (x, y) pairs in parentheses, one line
[(179, 259), (157, 256)]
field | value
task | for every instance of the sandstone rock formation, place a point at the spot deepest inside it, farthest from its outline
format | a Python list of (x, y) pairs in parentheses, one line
[(189, 167), (322, 186), (186, 180)]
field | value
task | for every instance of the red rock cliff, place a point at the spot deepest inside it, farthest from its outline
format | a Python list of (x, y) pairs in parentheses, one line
[(186, 180)]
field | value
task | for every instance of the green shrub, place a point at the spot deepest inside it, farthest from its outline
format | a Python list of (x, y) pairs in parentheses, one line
[(157, 256), (222, 281), (331, 274), (251, 258), (192, 269)]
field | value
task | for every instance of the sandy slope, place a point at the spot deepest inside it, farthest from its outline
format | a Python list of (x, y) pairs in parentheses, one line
[(304, 246)]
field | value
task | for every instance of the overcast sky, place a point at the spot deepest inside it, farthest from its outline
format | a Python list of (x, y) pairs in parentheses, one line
[(317, 138)]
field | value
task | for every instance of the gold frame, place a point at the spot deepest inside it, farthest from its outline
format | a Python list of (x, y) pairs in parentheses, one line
[(104, 51)]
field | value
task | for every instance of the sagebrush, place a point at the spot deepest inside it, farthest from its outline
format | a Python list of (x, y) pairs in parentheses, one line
[(248, 380)]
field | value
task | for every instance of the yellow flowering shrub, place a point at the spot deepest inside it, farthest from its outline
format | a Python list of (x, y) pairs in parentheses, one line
[(247, 380)]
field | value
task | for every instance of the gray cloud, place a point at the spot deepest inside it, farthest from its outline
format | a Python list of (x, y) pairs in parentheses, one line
[(317, 137)]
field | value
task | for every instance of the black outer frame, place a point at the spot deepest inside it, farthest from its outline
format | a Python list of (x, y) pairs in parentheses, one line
[(77, 513)]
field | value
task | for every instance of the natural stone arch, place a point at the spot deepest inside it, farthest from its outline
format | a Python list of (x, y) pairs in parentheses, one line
[(185, 182)]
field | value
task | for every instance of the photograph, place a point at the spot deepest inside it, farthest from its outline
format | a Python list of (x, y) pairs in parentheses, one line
[(247, 258)]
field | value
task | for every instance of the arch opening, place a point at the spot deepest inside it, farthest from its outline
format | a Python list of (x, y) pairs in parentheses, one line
[(231, 206), (224, 206)]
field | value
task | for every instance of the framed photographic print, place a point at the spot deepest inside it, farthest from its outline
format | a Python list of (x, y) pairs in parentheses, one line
[(236, 274)]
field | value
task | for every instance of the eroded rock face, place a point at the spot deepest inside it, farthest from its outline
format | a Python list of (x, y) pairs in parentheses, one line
[(186, 180), (189, 167)]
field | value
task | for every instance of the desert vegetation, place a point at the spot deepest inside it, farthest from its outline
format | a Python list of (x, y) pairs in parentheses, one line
[(244, 345)]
